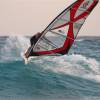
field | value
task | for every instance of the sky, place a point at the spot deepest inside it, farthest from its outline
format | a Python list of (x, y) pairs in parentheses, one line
[(27, 17)]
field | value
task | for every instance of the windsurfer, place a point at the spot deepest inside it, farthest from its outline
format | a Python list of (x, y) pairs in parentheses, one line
[(33, 41)]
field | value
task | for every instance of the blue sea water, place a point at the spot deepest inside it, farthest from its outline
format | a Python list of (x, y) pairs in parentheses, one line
[(75, 76)]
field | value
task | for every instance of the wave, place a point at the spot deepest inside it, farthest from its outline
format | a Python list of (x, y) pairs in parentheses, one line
[(74, 64), (59, 77), (13, 47)]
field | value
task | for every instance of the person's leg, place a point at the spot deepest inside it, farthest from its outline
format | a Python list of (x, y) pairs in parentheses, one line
[(27, 53)]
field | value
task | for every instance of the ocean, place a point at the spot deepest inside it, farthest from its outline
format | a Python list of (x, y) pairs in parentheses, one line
[(75, 76)]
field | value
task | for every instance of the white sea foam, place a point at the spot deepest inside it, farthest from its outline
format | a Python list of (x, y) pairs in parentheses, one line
[(77, 65), (13, 47)]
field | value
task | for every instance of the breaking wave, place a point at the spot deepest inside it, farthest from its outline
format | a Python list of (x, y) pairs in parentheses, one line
[(77, 65), (74, 64), (13, 47), (69, 76)]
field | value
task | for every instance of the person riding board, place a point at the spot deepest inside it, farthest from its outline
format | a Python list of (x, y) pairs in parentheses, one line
[(33, 41)]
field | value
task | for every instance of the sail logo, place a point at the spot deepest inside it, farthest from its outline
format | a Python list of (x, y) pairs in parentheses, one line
[(85, 4)]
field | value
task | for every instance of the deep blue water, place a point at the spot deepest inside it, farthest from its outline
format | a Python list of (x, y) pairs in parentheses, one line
[(75, 76)]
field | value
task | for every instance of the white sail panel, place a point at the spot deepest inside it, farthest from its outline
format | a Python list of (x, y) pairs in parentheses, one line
[(77, 25), (63, 19), (83, 7), (60, 22), (53, 39), (44, 45), (63, 31), (66, 15), (86, 4)]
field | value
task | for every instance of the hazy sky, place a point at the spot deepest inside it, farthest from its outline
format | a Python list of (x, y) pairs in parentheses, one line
[(26, 17)]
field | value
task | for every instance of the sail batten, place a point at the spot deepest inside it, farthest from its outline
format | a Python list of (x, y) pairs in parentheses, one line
[(50, 42)]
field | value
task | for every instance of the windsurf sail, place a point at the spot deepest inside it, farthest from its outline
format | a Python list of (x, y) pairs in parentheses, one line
[(61, 33)]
